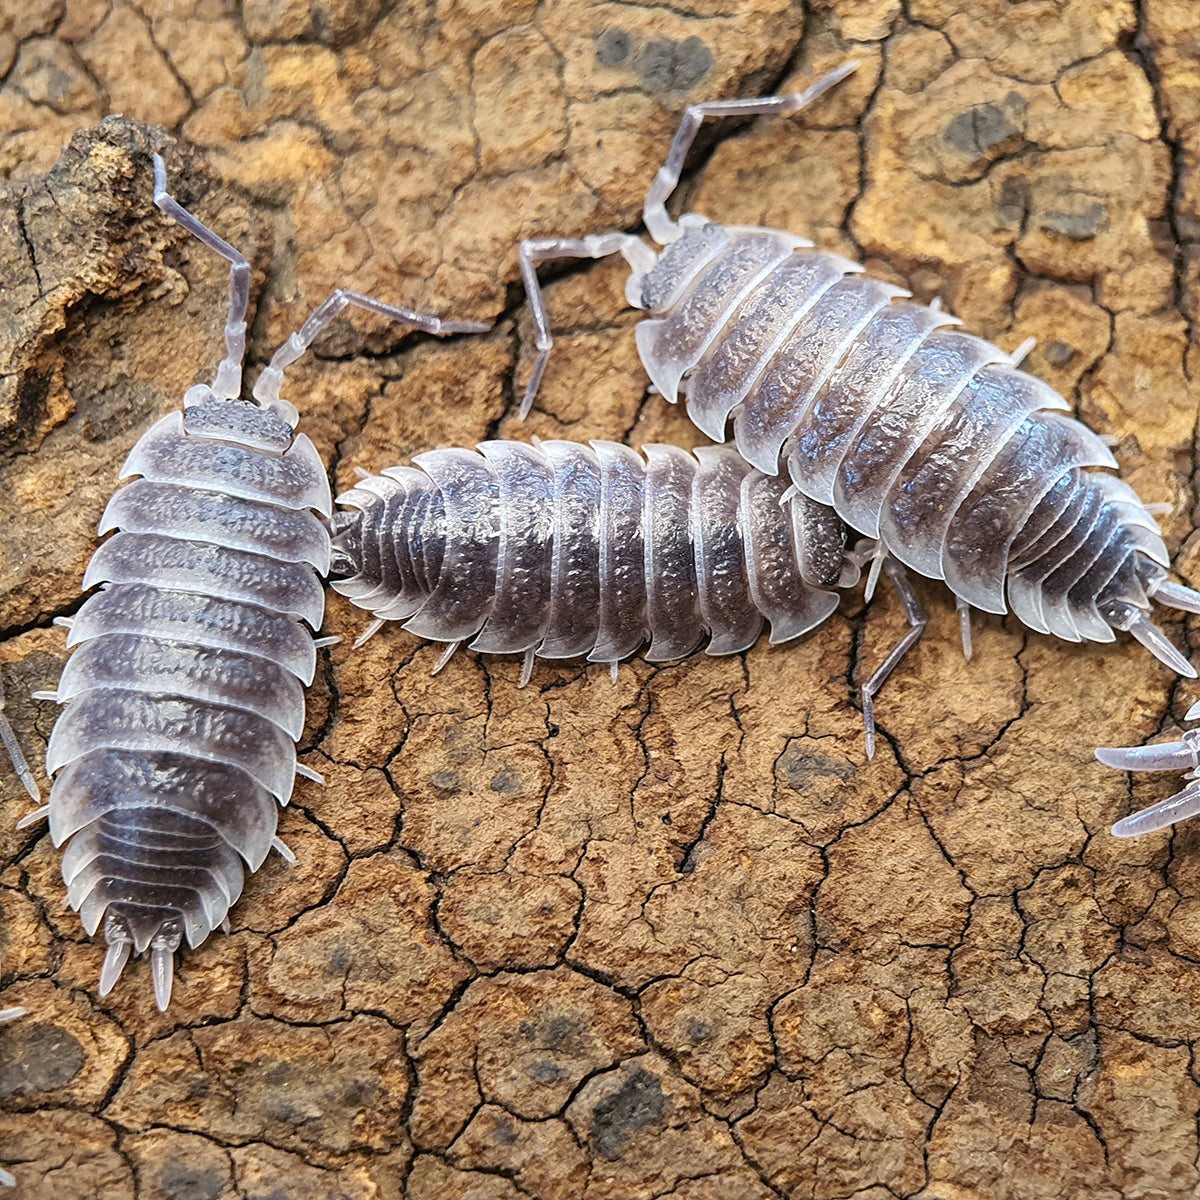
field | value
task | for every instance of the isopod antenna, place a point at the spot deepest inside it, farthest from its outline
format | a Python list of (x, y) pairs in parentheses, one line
[(1163, 756), (227, 385), (228, 382), (640, 257)]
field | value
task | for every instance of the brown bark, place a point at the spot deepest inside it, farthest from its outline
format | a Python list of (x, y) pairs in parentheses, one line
[(675, 937)]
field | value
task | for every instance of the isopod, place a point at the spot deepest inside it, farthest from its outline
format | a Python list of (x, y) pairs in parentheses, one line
[(184, 696), (562, 550), (959, 465)]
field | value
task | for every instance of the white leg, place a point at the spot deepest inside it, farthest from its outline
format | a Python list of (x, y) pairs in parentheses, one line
[(639, 256), (368, 633), (917, 619), (964, 621), (446, 656), (9, 740), (1022, 352), (527, 666)]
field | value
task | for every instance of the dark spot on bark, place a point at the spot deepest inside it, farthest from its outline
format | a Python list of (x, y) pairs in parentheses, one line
[(1080, 225), (983, 127), (800, 767), (30, 391), (507, 781), (506, 1135), (546, 1070), (638, 1103), (1013, 202), (182, 1182), (339, 960), (109, 413), (38, 1057), (280, 1073), (699, 1031), (284, 1110), (613, 47), (360, 1093), (1058, 354), (554, 1033), (445, 781), (668, 66)]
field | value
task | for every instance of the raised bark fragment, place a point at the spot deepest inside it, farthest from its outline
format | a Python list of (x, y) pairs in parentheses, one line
[(672, 937)]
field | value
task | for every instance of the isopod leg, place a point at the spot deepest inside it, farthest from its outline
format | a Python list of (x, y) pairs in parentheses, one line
[(639, 256), (13, 749), (228, 383), (527, 666), (964, 622), (1175, 595), (445, 656), (1022, 352), (917, 619), (266, 387), (662, 229), (368, 633)]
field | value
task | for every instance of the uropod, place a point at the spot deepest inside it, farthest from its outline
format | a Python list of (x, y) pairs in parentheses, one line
[(933, 444), (184, 695)]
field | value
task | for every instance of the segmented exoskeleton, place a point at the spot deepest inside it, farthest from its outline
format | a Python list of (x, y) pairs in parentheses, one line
[(563, 550), (184, 696), (933, 443)]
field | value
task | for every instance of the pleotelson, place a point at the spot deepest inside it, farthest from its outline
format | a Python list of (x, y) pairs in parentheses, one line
[(563, 549), (183, 698)]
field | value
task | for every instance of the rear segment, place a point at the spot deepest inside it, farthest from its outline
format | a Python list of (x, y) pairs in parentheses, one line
[(184, 699)]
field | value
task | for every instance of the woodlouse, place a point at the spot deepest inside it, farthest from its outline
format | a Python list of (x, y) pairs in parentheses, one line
[(933, 443), (561, 550), (184, 696)]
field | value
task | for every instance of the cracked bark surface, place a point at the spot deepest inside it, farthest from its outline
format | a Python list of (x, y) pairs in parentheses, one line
[(676, 937)]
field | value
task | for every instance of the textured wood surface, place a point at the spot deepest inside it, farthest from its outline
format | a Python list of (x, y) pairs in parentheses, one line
[(676, 937)]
